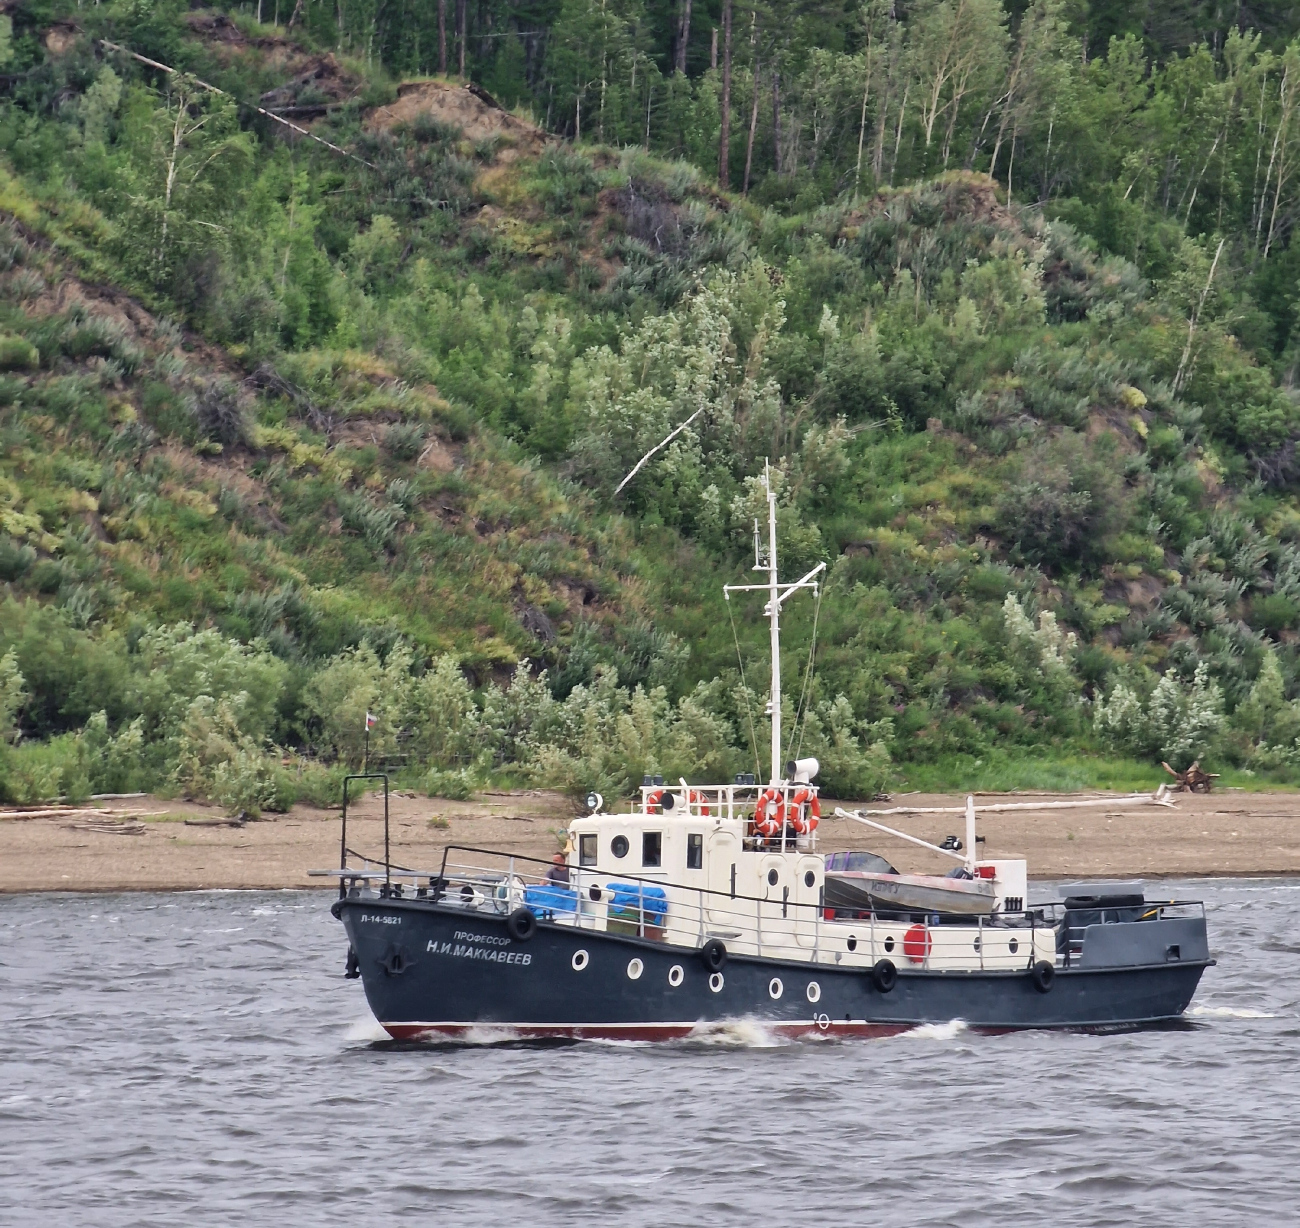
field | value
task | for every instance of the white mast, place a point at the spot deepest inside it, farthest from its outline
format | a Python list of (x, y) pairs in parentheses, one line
[(777, 593), (774, 614)]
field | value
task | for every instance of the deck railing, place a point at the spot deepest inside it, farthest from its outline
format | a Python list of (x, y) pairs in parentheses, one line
[(774, 925)]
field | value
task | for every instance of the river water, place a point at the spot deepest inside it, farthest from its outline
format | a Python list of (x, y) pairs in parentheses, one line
[(198, 1059)]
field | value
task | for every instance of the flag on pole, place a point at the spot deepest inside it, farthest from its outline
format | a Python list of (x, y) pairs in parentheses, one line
[(371, 721)]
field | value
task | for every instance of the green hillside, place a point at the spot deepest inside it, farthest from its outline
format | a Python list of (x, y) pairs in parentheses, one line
[(302, 423)]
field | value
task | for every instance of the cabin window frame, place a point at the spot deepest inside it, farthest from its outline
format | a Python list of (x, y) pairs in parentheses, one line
[(652, 840), (695, 850), (588, 848)]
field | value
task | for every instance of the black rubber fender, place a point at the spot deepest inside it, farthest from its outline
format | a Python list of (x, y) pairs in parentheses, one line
[(1043, 976), (713, 954), (884, 976), (521, 924), (352, 967)]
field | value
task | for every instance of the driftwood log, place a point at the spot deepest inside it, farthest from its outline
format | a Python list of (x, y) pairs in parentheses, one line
[(1194, 780)]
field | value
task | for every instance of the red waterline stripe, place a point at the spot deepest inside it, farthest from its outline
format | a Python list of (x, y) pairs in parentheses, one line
[(634, 1031)]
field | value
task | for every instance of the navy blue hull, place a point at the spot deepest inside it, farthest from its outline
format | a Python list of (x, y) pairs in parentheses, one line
[(429, 969)]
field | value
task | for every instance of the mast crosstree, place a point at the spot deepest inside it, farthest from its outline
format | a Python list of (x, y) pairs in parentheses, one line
[(777, 595)]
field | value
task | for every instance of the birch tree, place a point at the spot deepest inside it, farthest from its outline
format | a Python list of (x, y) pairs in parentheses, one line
[(185, 154), (958, 48)]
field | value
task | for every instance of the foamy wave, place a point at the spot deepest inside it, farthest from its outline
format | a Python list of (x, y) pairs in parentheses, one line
[(736, 1034), (937, 1031), (1228, 1012), (366, 1030), (489, 1034)]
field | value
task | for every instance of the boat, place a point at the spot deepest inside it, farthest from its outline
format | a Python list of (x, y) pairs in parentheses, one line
[(703, 904), (855, 884)]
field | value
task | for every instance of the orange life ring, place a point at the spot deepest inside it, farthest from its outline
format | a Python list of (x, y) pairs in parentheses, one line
[(770, 814), (917, 944), (654, 801), (805, 812), (695, 796)]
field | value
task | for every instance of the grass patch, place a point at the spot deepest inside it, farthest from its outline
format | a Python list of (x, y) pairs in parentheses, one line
[(1069, 773), (995, 773)]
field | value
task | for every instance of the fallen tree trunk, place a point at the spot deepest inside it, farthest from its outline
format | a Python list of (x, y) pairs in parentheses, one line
[(1194, 780)]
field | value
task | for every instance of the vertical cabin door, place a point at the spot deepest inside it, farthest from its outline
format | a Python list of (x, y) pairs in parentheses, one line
[(722, 853), (807, 893)]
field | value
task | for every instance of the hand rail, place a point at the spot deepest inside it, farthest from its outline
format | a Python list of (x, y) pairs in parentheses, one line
[(481, 883), (343, 835)]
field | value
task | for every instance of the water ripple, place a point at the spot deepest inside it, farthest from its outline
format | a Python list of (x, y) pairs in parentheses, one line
[(199, 1059)]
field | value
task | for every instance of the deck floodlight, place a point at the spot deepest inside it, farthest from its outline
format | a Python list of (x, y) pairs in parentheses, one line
[(802, 771)]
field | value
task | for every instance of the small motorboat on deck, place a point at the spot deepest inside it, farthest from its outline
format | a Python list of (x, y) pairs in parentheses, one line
[(860, 883)]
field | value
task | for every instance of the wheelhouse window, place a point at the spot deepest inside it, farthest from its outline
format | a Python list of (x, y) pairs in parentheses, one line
[(652, 847), (587, 849), (618, 846), (695, 850)]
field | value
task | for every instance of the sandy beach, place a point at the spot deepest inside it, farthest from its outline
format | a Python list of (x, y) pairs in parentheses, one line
[(144, 843)]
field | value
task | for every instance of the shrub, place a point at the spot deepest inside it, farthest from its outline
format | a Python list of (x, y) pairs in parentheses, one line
[(219, 415), (376, 522), (455, 786), (1179, 724), (18, 354), (13, 247), (1274, 613), (116, 761), (179, 666), (404, 440), (1065, 506), (215, 759), (447, 718), (350, 686), (16, 559), (13, 695)]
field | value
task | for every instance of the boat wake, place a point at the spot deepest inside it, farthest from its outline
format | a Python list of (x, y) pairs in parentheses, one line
[(1228, 1012), (365, 1031), (937, 1031), (736, 1034)]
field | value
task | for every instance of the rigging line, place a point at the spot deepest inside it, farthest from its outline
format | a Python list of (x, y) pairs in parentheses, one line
[(801, 726), (744, 686)]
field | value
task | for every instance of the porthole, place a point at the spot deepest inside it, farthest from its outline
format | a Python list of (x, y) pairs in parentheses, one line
[(814, 992), (809, 878), (1014, 945), (634, 969), (852, 943), (774, 988), (772, 877), (889, 942), (619, 846), (824, 1022), (676, 974), (716, 982), (580, 960)]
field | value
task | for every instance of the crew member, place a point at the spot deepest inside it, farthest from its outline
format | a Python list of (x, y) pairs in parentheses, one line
[(559, 871)]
